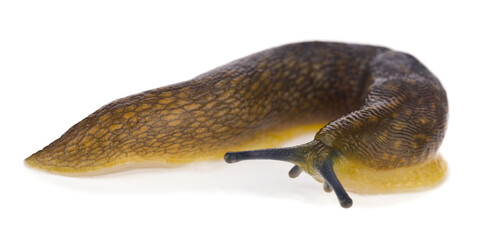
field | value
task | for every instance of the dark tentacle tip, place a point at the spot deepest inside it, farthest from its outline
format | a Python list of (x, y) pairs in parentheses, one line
[(295, 172), (230, 157), (327, 187), (346, 202)]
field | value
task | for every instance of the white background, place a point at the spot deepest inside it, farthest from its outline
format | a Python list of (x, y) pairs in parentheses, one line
[(61, 60)]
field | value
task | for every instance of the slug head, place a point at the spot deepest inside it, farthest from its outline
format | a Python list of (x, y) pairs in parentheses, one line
[(315, 158)]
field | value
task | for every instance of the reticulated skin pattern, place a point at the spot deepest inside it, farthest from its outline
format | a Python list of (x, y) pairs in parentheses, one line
[(402, 121), (380, 108)]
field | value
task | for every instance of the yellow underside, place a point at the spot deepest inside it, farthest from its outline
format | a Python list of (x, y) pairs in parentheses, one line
[(356, 177), (353, 175)]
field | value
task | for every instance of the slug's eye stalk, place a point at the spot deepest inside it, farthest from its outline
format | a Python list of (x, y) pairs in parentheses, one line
[(314, 157), (326, 171)]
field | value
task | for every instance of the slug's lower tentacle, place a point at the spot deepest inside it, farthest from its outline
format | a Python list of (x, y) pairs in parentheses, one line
[(295, 171), (327, 187)]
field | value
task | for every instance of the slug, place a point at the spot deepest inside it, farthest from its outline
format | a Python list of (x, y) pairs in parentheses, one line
[(380, 117)]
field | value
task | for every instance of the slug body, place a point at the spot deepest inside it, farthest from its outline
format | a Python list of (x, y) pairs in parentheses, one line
[(380, 117)]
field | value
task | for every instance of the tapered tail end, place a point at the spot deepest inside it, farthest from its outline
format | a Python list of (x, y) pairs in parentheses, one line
[(32, 161)]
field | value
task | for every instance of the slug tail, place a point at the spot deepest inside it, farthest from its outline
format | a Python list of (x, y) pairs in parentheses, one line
[(61, 157)]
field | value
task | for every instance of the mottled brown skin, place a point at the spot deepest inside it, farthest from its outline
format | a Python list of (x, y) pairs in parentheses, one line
[(383, 107), (402, 121)]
